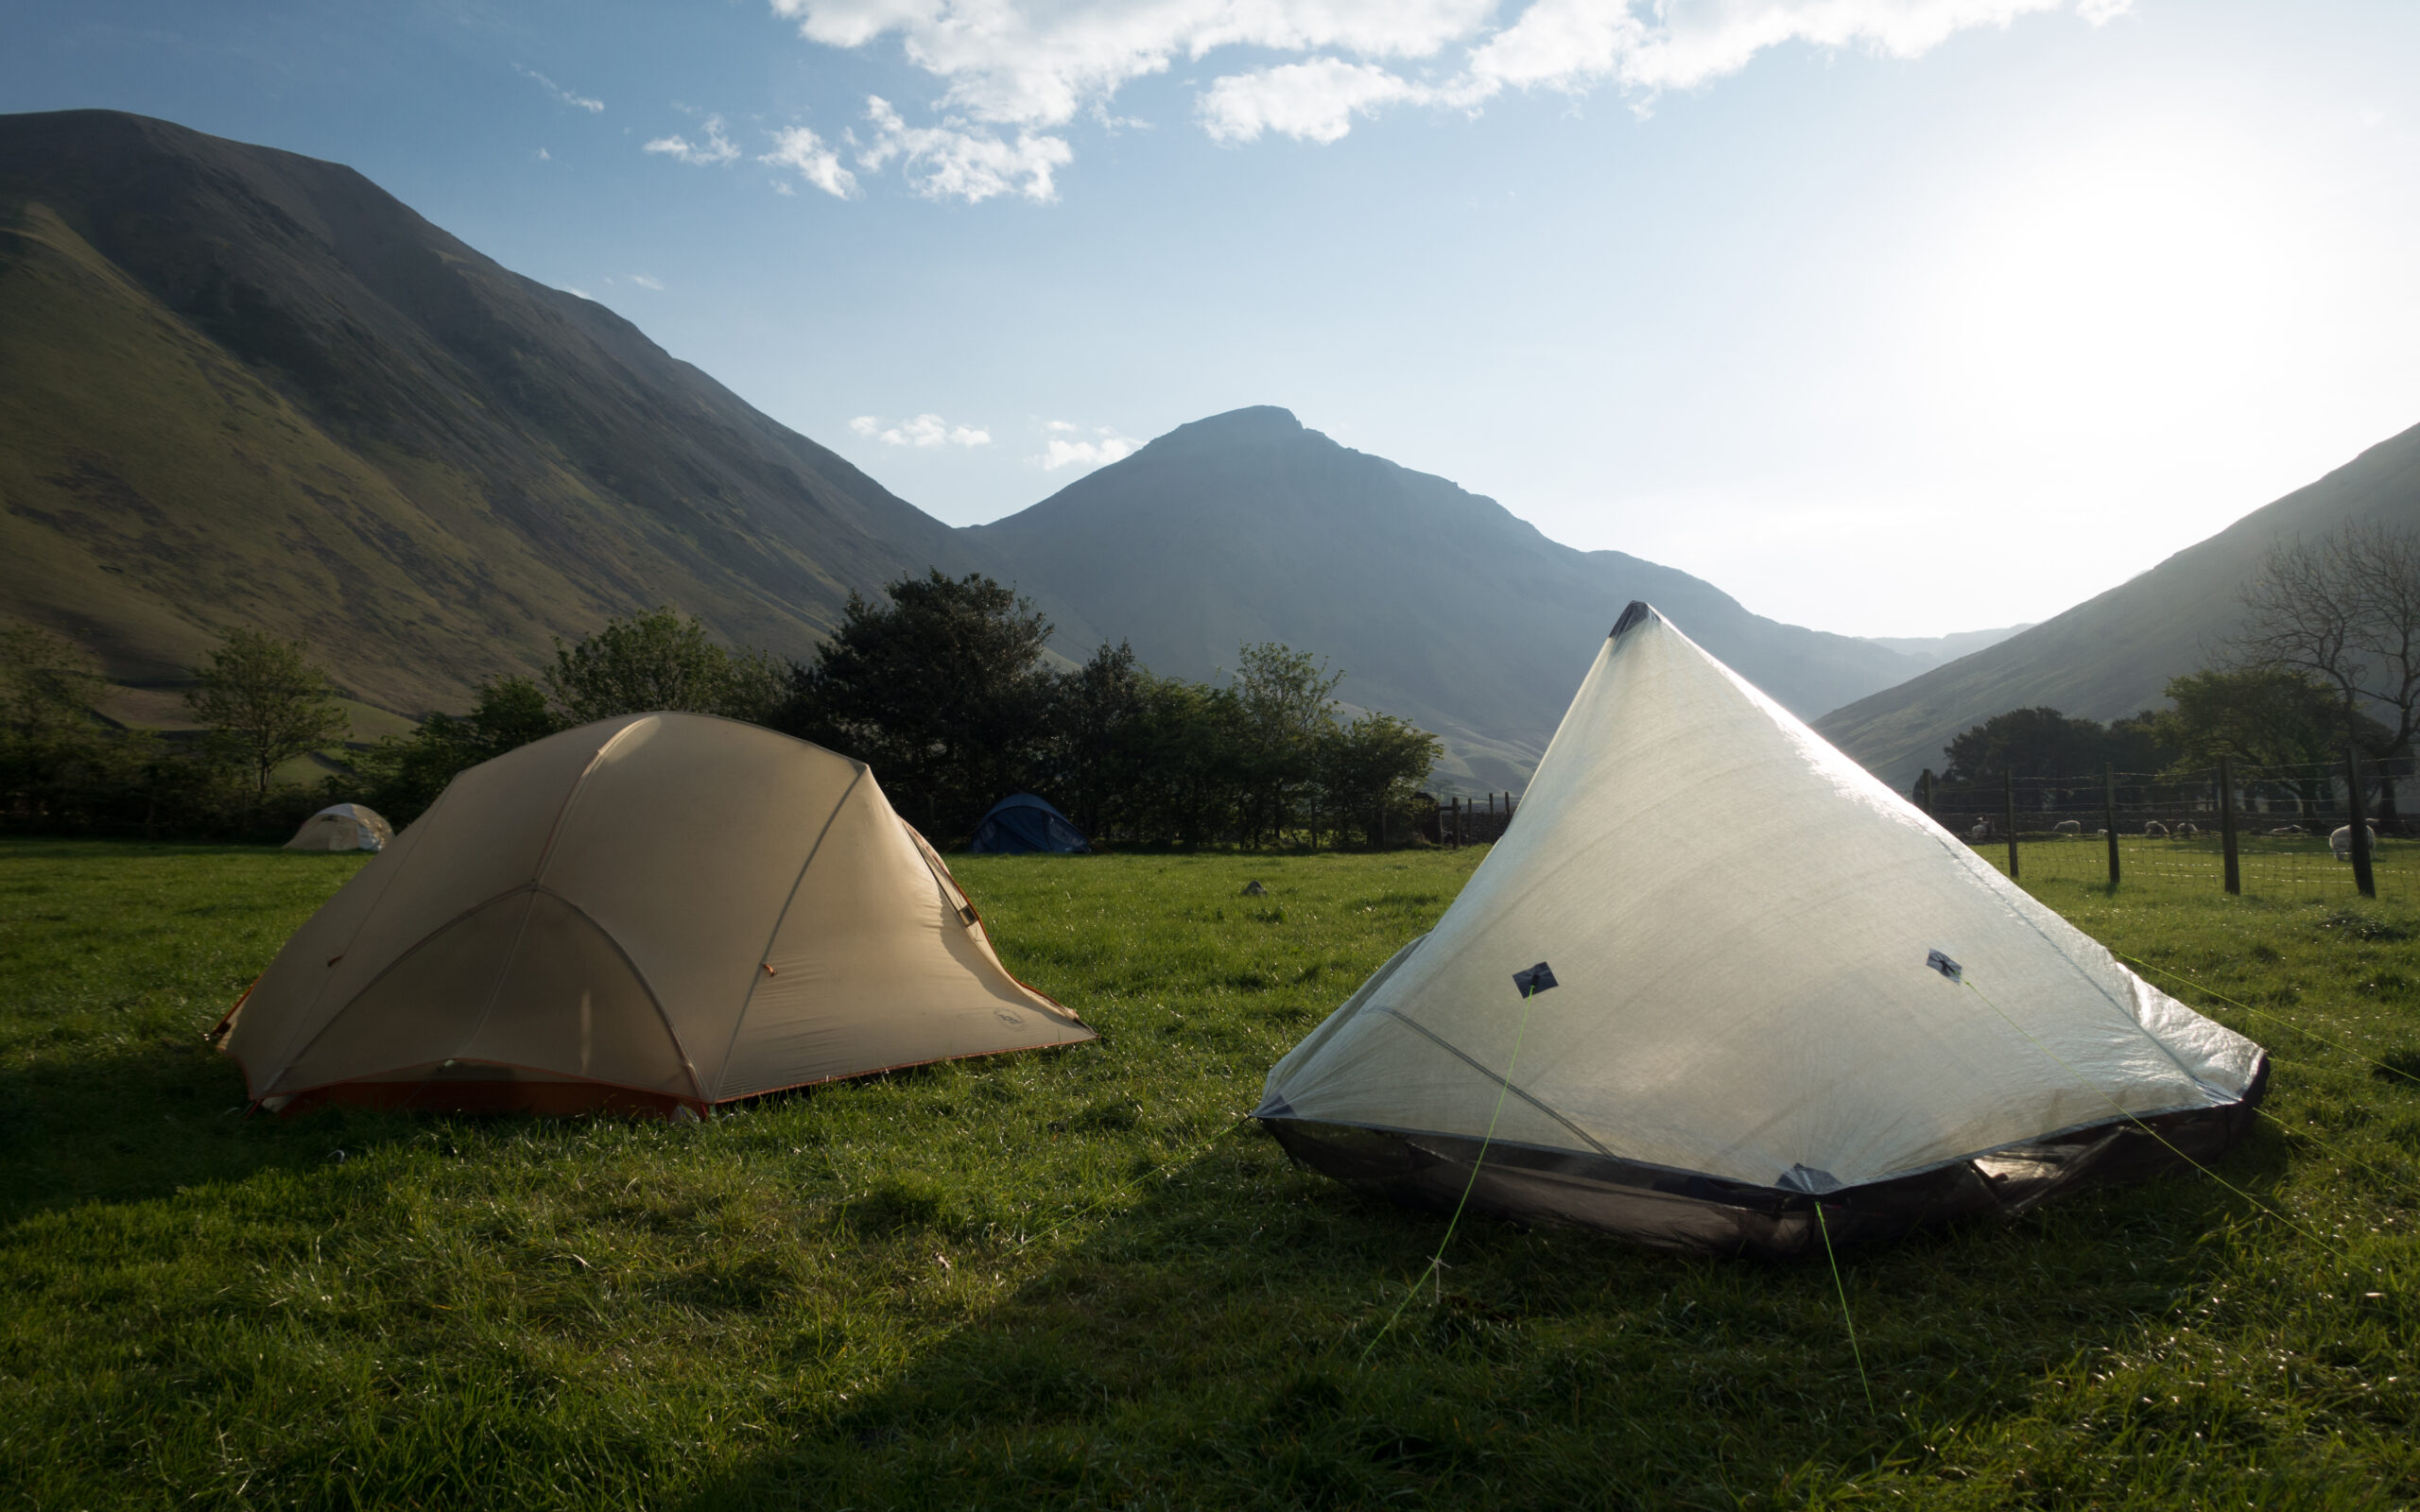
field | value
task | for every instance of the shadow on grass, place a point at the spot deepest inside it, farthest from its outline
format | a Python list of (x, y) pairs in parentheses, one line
[(145, 1122), (1205, 1347)]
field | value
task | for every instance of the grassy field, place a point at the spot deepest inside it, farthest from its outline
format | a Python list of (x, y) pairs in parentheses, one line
[(1070, 1278)]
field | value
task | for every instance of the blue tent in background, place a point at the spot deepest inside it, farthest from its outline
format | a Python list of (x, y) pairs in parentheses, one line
[(1023, 823)]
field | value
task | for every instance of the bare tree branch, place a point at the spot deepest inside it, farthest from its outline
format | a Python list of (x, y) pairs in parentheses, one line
[(2344, 609)]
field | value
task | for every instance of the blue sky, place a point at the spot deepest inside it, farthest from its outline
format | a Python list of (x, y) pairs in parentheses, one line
[(1890, 316)]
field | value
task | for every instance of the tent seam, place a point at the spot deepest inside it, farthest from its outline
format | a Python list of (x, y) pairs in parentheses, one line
[(294, 1049), (654, 1000), (1945, 841), (390, 968), (757, 978), (1506, 1081)]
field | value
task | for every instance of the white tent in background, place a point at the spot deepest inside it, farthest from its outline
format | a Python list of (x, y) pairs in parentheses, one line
[(343, 827), (1739, 920)]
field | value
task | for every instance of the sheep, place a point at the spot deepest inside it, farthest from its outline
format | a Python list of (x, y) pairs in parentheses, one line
[(2287, 832), (2069, 827), (1982, 831), (2155, 829), (2341, 841), (2185, 830)]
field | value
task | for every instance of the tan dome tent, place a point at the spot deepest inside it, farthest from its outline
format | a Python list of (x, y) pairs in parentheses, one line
[(651, 913), (343, 827), (1741, 976)]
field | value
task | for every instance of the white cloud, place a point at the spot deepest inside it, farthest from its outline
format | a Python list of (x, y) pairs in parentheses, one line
[(1576, 44), (797, 148), (1016, 62), (578, 101), (949, 162), (545, 156), (1033, 66), (1314, 101), (1063, 448), (924, 430), (645, 282), (716, 149)]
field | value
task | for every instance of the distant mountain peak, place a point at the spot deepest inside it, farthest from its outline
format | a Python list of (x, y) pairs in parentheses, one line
[(1273, 420), (1441, 605), (1253, 425)]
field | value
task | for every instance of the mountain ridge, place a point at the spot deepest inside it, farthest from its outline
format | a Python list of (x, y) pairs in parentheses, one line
[(2110, 654), (1248, 526), (249, 387)]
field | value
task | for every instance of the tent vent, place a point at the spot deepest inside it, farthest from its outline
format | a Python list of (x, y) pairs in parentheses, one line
[(1945, 966), (1534, 981), (1640, 610)]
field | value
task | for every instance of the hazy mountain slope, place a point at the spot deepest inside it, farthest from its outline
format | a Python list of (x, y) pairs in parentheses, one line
[(242, 386), (1932, 651), (2110, 654), (1440, 605)]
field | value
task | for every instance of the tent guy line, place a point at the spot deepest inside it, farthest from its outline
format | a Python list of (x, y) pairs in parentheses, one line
[(2146, 1128), (1531, 982)]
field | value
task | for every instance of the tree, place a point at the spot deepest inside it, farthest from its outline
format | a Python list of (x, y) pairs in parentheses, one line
[(2344, 609), (1097, 728), (53, 752), (2039, 743), (1285, 702), (1371, 767), (2256, 716), (660, 660), (940, 688), (402, 775), (265, 704), (2264, 717)]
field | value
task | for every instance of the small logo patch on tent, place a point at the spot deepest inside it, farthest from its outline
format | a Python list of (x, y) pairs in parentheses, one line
[(1534, 981), (1945, 966)]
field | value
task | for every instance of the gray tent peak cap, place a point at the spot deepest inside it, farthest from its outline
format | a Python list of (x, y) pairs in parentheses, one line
[(1640, 612)]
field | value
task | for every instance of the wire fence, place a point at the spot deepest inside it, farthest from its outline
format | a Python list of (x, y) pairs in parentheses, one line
[(2292, 826)]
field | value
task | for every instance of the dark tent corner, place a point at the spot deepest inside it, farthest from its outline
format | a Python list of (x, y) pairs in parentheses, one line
[(1023, 824)]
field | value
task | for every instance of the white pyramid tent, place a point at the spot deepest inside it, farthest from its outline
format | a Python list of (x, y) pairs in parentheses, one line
[(1737, 919)]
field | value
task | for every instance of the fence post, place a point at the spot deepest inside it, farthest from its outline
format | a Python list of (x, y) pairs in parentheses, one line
[(1923, 800), (2226, 824), (2363, 877), (2109, 816), (2008, 791)]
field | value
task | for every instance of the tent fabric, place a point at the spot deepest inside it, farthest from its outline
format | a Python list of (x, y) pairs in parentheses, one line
[(1739, 919), (661, 911), (343, 827), (1022, 824)]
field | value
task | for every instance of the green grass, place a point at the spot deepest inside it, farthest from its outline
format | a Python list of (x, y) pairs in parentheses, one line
[(1069, 1278)]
